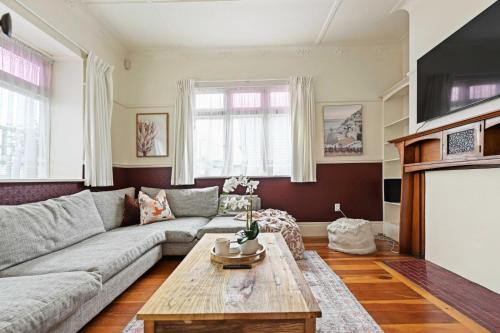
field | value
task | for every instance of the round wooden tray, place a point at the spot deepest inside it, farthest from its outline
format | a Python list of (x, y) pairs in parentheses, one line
[(238, 258)]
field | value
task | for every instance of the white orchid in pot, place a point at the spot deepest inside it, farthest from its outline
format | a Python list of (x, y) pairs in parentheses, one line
[(246, 238)]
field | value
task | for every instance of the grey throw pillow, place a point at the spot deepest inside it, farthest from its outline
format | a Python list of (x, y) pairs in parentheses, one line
[(201, 202), (110, 205)]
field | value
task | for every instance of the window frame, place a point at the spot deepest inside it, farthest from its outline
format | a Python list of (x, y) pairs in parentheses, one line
[(228, 90)]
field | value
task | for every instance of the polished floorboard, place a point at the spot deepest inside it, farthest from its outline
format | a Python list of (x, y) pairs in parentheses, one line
[(394, 302)]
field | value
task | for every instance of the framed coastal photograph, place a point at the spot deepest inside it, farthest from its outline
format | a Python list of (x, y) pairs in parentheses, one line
[(343, 130), (151, 134)]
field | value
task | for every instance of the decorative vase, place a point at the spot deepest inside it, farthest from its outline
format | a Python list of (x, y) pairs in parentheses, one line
[(250, 246)]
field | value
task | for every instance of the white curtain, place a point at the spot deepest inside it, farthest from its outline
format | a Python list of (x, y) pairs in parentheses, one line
[(182, 169), (25, 81), (97, 122), (303, 123), (242, 131)]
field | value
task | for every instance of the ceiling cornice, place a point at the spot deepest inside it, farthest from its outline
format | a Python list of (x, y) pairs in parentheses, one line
[(298, 51), (328, 21), (127, 2)]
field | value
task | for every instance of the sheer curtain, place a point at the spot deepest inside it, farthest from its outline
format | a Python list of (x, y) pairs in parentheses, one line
[(25, 80), (303, 129), (97, 122), (242, 131)]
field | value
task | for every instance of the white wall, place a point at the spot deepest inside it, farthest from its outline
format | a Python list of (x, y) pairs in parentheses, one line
[(66, 120), (343, 75), (463, 223), (431, 22)]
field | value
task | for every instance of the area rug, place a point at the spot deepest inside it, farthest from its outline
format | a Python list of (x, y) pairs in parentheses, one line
[(341, 312)]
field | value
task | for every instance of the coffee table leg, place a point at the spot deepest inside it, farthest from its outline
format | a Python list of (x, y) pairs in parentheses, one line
[(310, 325), (149, 326)]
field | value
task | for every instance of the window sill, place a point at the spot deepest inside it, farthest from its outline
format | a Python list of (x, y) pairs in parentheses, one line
[(41, 180)]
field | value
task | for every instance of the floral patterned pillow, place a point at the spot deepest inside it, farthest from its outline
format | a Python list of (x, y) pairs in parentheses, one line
[(154, 210)]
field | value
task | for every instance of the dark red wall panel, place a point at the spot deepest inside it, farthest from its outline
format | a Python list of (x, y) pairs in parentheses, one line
[(357, 186), (19, 193)]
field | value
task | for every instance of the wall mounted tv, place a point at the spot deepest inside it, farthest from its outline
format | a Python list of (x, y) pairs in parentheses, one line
[(463, 70)]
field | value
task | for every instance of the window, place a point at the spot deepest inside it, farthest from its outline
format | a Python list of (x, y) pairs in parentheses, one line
[(24, 111), (242, 131)]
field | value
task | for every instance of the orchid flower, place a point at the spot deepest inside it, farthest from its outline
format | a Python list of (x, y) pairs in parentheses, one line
[(235, 203)]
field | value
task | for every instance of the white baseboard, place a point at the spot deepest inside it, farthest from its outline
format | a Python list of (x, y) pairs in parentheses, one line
[(318, 229), (391, 231)]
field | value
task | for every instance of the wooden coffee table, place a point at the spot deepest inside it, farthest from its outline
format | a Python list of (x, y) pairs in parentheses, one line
[(200, 296)]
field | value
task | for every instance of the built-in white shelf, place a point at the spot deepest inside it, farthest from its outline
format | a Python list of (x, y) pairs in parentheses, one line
[(399, 89), (397, 122)]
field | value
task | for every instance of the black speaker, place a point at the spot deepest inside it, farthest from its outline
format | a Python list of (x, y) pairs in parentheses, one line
[(392, 190), (6, 24)]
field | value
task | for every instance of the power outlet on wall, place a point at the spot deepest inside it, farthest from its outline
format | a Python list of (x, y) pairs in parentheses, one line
[(337, 207)]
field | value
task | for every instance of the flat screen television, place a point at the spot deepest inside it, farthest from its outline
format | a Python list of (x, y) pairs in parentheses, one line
[(463, 70)]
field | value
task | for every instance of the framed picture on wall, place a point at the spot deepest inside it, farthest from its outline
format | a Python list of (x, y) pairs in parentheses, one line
[(343, 130), (151, 134)]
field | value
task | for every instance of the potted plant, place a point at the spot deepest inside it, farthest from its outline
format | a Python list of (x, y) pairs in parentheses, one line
[(246, 238)]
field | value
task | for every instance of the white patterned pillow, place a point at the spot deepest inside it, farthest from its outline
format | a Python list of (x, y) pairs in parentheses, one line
[(154, 210)]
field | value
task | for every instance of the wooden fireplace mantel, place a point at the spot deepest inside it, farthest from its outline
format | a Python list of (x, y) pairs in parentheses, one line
[(470, 143)]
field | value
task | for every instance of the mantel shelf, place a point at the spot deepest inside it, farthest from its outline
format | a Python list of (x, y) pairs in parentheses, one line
[(476, 162)]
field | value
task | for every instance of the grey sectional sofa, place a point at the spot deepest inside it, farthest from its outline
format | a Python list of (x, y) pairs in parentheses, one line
[(63, 260)]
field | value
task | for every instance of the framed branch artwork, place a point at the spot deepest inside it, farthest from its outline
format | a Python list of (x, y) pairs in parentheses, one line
[(343, 130), (151, 134)]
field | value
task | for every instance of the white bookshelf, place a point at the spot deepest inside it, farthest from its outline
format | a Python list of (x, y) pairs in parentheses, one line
[(395, 115)]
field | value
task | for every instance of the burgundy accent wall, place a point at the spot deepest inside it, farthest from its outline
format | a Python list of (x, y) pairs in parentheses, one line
[(357, 186), (19, 193)]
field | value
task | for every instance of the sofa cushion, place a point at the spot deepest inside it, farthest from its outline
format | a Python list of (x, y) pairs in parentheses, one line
[(110, 205), (221, 224), (190, 202), (37, 303), (32, 230), (184, 229), (107, 253)]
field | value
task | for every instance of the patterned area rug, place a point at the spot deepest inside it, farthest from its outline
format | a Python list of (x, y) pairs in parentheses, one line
[(341, 312)]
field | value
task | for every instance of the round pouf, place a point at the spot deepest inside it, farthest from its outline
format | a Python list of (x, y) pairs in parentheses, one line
[(352, 236)]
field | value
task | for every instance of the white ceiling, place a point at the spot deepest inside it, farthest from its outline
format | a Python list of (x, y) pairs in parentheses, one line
[(140, 24)]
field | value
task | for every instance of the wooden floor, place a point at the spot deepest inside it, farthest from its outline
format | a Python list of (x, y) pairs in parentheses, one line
[(396, 304)]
